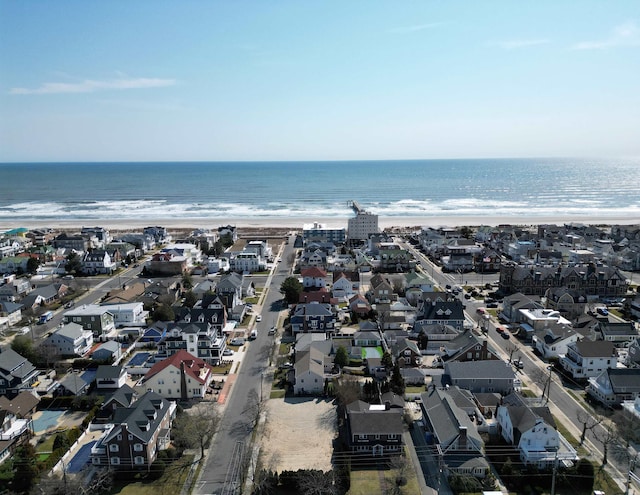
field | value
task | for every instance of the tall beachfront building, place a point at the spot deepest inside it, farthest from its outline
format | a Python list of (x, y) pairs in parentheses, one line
[(362, 225)]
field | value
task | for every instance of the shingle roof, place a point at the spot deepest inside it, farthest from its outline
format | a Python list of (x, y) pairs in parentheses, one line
[(140, 414), (480, 369), (193, 366)]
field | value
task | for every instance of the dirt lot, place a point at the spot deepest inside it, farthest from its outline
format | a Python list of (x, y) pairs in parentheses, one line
[(298, 434)]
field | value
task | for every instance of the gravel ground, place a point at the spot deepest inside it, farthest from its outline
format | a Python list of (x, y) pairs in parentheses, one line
[(299, 434)]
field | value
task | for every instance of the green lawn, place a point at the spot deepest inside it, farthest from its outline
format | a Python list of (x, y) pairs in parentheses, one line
[(170, 483), (369, 481)]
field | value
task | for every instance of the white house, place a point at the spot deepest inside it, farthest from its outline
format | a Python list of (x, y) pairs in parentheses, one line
[(71, 340), (247, 262), (192, 254), (181, 376), (128, 314), (309, 372), (533, 431), (588, 358), (314, 277), (110, 377), (553, 341)]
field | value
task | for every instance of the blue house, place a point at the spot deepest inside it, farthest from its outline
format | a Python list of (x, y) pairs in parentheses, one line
[(155, 333)]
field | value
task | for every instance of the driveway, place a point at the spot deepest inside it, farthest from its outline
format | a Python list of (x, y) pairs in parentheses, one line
[(299, 434)]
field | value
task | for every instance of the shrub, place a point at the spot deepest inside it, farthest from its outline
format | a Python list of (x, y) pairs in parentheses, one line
[(157, 469)]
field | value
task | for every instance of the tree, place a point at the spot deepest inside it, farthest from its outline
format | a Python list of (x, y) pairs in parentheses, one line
[(387, 360), (25, 470), (347, 389), (423, 340), (588, 423), (316, 482), (396, 383), (32, 265), (342, 357), (291, 289), (164, 312), (196, 428), (24, 346), (74, 263), (190, 299), (187, 281), (47, 354)]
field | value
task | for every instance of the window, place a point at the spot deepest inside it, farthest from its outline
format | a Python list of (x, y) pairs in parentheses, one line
[(138, 447), (130, 437), (119, 437), (115, 460), (139, 459), (114, 447)]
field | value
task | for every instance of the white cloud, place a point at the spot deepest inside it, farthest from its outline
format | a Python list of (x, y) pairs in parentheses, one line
[(626, 34), (92, 86), (414, 28), (515, 44)]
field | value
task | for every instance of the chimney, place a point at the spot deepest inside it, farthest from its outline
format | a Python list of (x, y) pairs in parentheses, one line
[(462, 438)]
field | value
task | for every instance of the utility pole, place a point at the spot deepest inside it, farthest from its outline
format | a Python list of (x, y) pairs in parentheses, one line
[(555, 471)]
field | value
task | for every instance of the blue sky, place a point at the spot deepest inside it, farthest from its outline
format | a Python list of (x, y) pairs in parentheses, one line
[(317, 80)]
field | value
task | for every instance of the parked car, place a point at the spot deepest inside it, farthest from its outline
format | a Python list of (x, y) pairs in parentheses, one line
[(505, 335), (259, 318), (272, 331), (227, 352)]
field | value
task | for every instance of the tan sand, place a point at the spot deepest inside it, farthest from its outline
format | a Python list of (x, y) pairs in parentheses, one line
[(297, 223)]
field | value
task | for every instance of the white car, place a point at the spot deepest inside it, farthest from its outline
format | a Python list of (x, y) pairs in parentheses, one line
[(259, 318)]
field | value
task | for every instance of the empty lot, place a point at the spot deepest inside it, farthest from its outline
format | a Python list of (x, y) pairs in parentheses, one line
[(299, 434)]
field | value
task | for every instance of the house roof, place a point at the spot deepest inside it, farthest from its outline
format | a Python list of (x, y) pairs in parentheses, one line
[(21, 404), (10, 360), (124, 396), (110, 346), (366, 336), (74, 383), (494, 369), (106, 372), (624, 379), (140, 414), (592, 348), (10, 307), (523, 418), (363, 420), (194, 367), (311, 360), (70, 331)]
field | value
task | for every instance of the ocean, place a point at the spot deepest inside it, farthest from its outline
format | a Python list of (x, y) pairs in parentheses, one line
[(544, 187)]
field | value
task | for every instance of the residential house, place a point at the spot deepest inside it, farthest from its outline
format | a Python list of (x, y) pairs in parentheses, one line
[(313, 317), (198, 337), (167, 264), (16, 372), (109, 351), (247, 262), (45, 295), (137, 434), (406, 353), (14, 264), (359, 305), (160, 234), (552, 341), (110, 377), (613, 386), (127, 314), (374, 430), (97, 319), (480, 376), (156, 332), (570, 303), (181, 376), (367, 339), (229, 289), (11, 311), (309, 371), (313, 278), (98, 261), (121, 397), (533, 431), (190, 252), (394, 258), (14, 431), (587, 359), (71, 242), (71, 339), (381, 290), (449, 428), (620, 334), (74, 384), (441, 312), (313, 258)]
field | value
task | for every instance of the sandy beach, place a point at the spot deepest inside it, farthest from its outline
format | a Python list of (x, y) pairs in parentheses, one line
[(297, 223)]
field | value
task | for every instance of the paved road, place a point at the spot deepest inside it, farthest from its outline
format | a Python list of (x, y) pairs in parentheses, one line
[(227, 460)]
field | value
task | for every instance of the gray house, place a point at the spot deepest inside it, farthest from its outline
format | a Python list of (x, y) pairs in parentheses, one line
[(480, 376)]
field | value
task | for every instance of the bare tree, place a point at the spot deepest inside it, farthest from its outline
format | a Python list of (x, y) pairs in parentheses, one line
[(347, 389), (607, 437), (195, 429), (588, 422), (511, 349), (316, 482), (256, 406)]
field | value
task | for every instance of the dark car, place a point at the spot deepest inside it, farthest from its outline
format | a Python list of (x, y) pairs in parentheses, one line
[(505, 335)]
